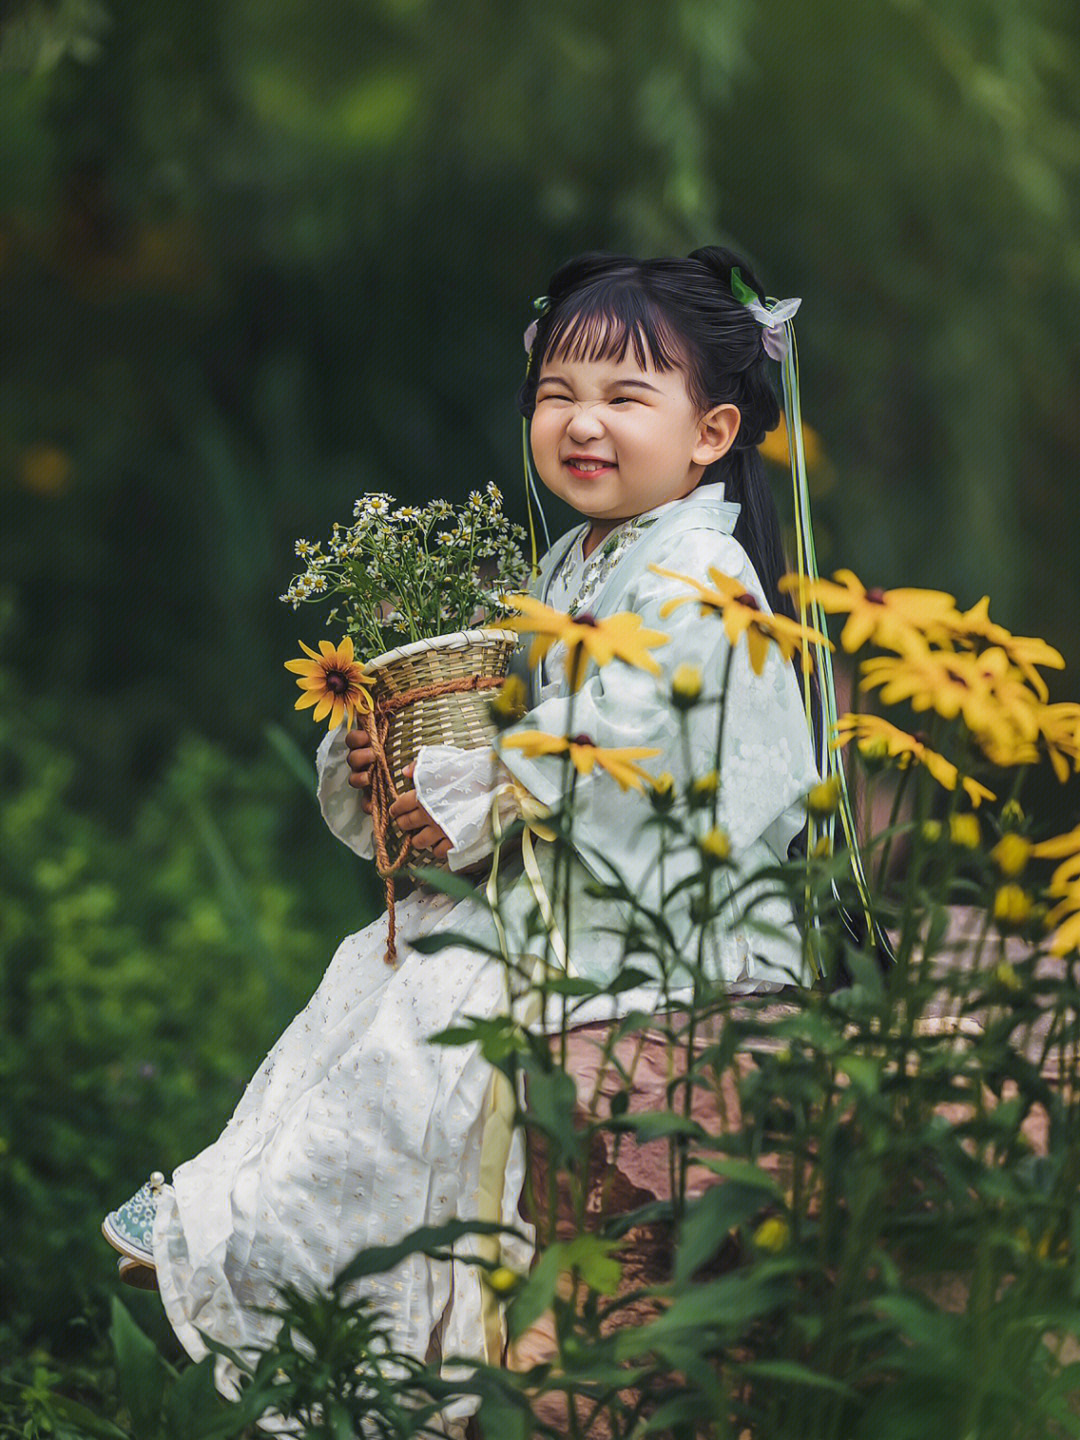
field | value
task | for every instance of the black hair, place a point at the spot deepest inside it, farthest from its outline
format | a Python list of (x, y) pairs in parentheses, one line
[(680, 313)]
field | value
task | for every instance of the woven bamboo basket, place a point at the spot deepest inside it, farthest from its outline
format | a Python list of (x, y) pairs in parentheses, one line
[(461, 718)]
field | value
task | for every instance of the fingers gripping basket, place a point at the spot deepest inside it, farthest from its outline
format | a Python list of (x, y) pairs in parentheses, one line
[(458, 717)]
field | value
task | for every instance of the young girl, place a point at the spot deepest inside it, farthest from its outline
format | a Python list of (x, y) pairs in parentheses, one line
[(647, 394)]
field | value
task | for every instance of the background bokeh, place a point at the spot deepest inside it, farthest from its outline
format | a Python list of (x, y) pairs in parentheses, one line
[(260, 256)]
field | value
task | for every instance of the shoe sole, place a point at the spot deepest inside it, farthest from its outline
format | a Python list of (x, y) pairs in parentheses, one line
[(126, 1248), (137, 1274)]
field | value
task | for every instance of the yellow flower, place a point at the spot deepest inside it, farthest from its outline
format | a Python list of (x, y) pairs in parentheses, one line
[(703, 789), (743, 615), (998, 709), (584, 755), (964, 831), (619, 637), (883, 616), (775, 445), (1012, 814), (1024, 651), (822, 799), (908, 749), (685, 685), (502, 1279), (715, 845), (931, 831), (663, 791), (772, 1235), (1065, 848), (332, 681), (873, 748), (508, 704), (1059, 726), (1012, 906), (1066, 917), (1011, 853)]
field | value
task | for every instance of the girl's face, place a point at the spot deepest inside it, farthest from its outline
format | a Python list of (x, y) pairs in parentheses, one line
[(614, 440)]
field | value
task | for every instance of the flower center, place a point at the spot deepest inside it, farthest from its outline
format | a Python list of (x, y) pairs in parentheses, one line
[(337, 683), (586, 618), (581, 740), (748, 600), (875, 595)]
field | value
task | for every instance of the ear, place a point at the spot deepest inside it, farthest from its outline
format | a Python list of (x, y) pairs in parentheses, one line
[(717, 430)]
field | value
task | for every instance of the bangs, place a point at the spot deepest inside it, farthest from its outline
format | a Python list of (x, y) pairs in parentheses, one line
[(605, 323)]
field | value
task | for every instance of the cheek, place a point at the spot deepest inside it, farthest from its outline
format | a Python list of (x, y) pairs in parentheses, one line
[(544, 429)]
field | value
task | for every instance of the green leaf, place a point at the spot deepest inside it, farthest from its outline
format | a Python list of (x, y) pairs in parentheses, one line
[(592, 1258), (89, 1424), (140, 1373), (427, 1240), (745, 1171), (658, 1125), (740, 289), (628, 979), (796, 1374), (863, 1073), (449, 883), (537, 1293), (194, 1406), (503, 1415), (443, 939), (708, 1220), (551, 1102)]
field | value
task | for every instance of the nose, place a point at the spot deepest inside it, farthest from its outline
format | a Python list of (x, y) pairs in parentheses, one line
[(584, 424)]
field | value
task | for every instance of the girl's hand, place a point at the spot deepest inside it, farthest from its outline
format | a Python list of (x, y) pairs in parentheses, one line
[(412, 819), (360, 759)]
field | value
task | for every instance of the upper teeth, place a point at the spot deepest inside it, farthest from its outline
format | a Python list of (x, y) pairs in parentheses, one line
[(588, 464)]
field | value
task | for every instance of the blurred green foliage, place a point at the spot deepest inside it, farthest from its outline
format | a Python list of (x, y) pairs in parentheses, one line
[(257, 258), (140, 974)]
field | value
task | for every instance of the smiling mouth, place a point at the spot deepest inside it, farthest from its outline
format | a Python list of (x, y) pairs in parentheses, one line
[(587, 467)]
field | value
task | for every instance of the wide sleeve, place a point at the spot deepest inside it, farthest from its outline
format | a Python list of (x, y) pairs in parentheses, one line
[(338, 801), (460, 789), (767, 762)]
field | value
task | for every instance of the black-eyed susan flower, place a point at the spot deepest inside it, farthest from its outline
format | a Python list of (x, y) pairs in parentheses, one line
[(620, 764), (964, 831), (507, 706), (618, 637), (703, 788), (1059, 730), (887, 617), (773, 1235), (742, 615), (1024, 651), (822, 799), (502, 1279), (1004, 975), (685, 686), (662, 794), (333, 681), (908, 749), (1012, 906), (1011, 854), (1064, 921), (999, 710), (1012, 815), (715, 846)]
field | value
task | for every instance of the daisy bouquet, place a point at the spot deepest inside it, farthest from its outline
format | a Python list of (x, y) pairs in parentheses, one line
[(406, 573)]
